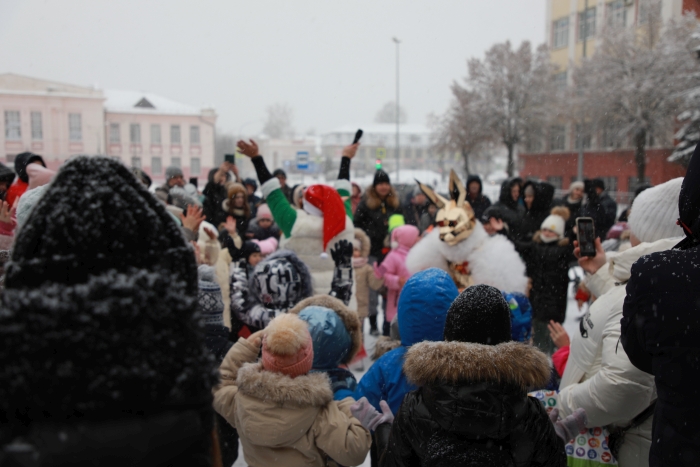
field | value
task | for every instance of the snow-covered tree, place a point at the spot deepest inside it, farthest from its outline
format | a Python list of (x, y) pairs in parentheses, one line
[(279, 121), (511, 92), (636, 79), (688, 135), (387, 114)]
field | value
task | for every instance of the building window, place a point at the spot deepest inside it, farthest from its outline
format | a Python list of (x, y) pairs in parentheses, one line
[(617, 14), (114, 135), (534, 144), (633, 184), (174, 134), (556, 181), (560, 80), (176, 162), (155, 134), (586, 24), (195, 167), (12, 125), (37, 128), (156, 166), (75, 127), (557, 138), (560, 33), (194, 135), (136, 162), (611, 137), (610, 183), (135, 133), (583, 137), (648, 9)]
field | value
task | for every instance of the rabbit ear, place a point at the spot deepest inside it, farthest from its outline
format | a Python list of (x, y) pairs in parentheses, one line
[(437, 200), (457, 191)]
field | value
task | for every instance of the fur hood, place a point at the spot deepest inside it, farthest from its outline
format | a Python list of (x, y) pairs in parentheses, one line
[(537, 238), (454, 362), (365, 243), (312, 390), (374, 202), (348, 316)]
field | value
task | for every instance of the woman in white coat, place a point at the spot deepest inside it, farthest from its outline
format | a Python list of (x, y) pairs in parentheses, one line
[(599, 376)]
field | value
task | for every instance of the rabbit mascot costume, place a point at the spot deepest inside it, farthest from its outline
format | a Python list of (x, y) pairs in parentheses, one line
[(460, 246)]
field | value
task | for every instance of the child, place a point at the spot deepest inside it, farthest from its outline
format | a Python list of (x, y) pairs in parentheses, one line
[(337, 336), (393, 269), (263, 226), (548, 256), (283, 414), (364, 275)]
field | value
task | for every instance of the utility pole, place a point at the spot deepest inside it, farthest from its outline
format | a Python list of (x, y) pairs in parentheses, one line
[(584, 30), (398, 116)]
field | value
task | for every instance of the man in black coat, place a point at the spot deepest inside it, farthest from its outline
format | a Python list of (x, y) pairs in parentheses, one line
[(661, 332), (599, 206)]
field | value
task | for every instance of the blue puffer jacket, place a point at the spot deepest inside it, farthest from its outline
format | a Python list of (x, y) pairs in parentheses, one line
[(422, 310)]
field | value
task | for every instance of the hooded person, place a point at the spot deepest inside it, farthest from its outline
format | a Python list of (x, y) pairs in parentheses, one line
[(284, 414), (116, 292), (573, 201), (599, 206), (253, 200), (336, 333), (472, 394), (599, 376), (539, 198), (475, 195), (21, 184), (365, 280), (509, 202), (423, 305)]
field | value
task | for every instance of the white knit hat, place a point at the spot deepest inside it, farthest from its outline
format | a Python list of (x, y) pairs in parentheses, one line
[(556, 221), (655, 212)]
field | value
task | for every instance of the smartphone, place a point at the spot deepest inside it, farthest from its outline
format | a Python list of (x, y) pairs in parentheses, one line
[(193, 181), (585, 230), (230, 158), (358, 135)]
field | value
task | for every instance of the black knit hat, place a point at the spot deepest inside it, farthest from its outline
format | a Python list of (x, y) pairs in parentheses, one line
[(101, 293), (479, 315), (6, 174), (248, 249), (22, 160), (380, 177), (279, 173)]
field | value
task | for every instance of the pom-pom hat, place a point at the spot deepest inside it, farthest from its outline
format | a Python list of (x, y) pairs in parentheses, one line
[(324, 201), (556, 221), (287, 347)]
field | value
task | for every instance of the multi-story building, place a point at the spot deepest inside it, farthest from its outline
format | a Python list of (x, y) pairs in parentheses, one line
[(151, 132), (573, 32), (53, 119)]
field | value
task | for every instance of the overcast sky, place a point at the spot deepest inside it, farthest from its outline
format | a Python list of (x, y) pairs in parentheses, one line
[(332, 61)]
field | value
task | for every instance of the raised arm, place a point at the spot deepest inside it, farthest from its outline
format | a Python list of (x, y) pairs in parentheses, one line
[(343, 183)]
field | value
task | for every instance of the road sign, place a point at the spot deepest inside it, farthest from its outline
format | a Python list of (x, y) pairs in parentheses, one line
[(302, 160), (381, 153)]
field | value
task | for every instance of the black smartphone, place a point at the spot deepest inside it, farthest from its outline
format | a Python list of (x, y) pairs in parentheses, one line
[(193, 181), (358, 135), (230, 158), (585, 230)]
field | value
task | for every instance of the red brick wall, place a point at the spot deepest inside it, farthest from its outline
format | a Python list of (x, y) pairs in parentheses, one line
[(692, 5), (618, 164)]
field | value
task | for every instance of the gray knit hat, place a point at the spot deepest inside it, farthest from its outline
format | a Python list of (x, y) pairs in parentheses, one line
[(209, 299), (655, 212), (172, 172)]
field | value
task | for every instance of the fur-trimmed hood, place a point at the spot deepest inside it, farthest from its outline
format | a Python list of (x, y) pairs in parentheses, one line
[(312, 390), (347, 316), (374, 201), (365, 243)]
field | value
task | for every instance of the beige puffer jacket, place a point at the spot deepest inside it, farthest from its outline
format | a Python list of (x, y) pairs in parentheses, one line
[(364, 279), (286, 421)]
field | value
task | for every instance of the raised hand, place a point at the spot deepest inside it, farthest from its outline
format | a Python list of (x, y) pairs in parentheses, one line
[(588, 264), (6, 213), (558, 334), (230, 226), (193, 218), (350, 150), (249, 149)]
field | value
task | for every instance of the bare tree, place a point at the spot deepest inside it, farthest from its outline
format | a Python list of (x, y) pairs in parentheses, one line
[(511, 93), (387, 114), (636, 79), (279, 121)]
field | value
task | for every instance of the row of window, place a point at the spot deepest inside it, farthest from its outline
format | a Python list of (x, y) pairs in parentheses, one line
[(611, 184), (610, 137), (13, 126), (615, 15), (135, 134), (157, 164)]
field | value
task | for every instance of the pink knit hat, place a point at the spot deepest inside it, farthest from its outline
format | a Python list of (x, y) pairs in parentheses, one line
[(39, 175), (287, 346), (267, 246), (264, 212)]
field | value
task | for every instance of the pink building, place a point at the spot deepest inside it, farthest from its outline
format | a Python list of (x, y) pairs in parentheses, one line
[(53, 119), (151, 132)]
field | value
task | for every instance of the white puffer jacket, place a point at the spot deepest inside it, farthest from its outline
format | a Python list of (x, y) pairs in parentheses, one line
[(599, 377)]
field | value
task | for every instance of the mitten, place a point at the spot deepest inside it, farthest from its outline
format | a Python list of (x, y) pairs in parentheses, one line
[(368, 415), (341, 287), (569, 427)]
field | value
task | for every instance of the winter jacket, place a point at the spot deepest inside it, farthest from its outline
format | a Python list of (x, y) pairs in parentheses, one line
[(394, 265), (422, 311), (574, 208), (214, 194), (258, 233), (603, 209), (599, 376), (253, 203), (373, 215), (355, 199), (512, 211), (16, 190), (412, 213), (548, 267), (481, 203), (286, 421), (538, 212), (364, 278), (472, 408)]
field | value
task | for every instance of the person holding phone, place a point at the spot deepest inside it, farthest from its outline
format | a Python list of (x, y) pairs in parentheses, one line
[(215, 191)]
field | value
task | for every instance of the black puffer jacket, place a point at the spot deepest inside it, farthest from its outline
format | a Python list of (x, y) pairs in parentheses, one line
[(481, 203), (661, 332), (373, 215), (472, 408), (602, 208), (538, 212), (511, 210), (214, 194)]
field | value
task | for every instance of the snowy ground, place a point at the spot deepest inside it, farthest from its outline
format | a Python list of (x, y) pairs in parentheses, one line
[(571, 325)]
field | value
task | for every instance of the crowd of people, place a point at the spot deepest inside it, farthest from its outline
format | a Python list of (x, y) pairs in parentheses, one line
[(173, 327)]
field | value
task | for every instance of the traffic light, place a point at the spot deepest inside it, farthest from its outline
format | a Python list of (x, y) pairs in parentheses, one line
[(378, 164)]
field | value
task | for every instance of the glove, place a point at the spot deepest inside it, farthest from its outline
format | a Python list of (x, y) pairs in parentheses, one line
[(379, 270), (569, 427), (341, 286), (342, 254), (368, 415)]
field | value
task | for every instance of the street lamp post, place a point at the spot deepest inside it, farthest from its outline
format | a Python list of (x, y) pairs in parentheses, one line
[(581, 127), (397, 42)]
